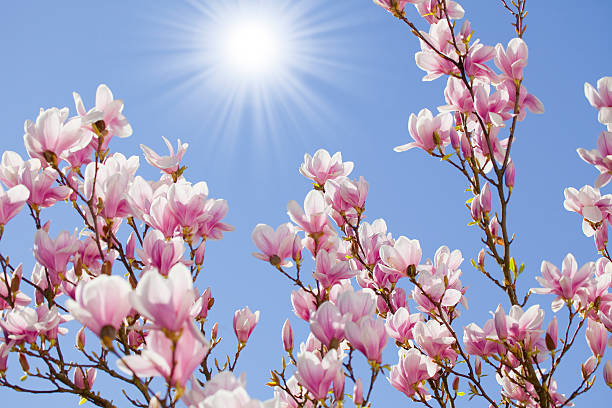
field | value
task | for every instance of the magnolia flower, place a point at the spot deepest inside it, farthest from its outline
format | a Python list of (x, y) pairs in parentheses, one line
[(322, 167), (168, 164), (244, 323), (108, 110)]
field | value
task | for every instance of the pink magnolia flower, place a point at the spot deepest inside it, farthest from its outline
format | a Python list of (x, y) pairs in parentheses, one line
[(108, 110), (526, 101), (441, 38), (7, 289), (168, 164), (346, 193), (322, 167), (564, 284), (481, 342), (368, 336), (589, 203), (475, 61), (512, 60), (397, 258), (210, 225), (187, 202), (84, 381), (552, 334), (354, 306), (457, 96), (39, 181), (492, 108), (428, 131), (314, 218), (518, 324), (159, 253), (244, 323), (100, 302), (140, 195), (166, 301), (400, 324), (327, 325), (395, 7), (607, 373), (160, 217), (11, 202), (55, 254), (329, 270), (431, 12), (304, 304), (275, 246), (51, 138), (161, 357), (601, 158), (316, 374), (24, 324), (410, 373), (596, 336), (601, 99), (435, 339), (358, 392), (9, 168)]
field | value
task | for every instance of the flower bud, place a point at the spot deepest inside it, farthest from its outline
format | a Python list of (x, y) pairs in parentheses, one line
[(339, 385), (509, 175), (481, 258), (607, 373), (456, 384), (23, 361), (129, 248), (478, 366), (588, 367), (552, 334), (4, 351), (358, 392), (80, 339), (244, 323), (84, 381), (199, 254), (16, 280), (215, 330), (287, 335)]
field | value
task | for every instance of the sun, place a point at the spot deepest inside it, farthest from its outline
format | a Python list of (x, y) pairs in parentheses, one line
[(254, 47), (249, 65)]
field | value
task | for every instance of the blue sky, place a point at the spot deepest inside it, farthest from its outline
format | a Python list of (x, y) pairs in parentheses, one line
[(352, 90)]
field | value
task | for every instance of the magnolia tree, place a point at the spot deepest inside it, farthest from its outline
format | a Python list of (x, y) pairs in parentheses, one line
[(128, 277)]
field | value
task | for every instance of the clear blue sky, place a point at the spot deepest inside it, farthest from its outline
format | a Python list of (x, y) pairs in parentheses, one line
[(354, 93)]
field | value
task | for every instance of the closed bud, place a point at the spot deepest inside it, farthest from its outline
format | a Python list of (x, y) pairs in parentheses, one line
[(456, 384), (23, 361), (481, 258), (199, 254), (339, 385), (154, 403), (551, 334), (588, 367), (607, 373), (130, 246), (16, 281), (215, 329), (287, 335), (4, 352), (358, 392), (478, 366), (80, 339), (78, 268), (509, 175)]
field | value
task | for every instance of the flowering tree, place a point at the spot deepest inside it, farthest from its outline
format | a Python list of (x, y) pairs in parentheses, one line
[(128, 277)]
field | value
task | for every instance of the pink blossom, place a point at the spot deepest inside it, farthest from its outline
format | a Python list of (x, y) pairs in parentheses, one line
[(51, 138), (140, 195), (400, 324), (475, 61), (431, 12), (161, 218), (39, 182), (368, 336), (410, 373), (601, 99), (106, 109), (518, 324), (9, 168), (187, 203), (589, 203), (161, 357), (329, 270), (509, 175), (7, 289), (316, 374), (358, 392), (601, 158), (596, 336), (526, 100), (492, 108), (166, 301), (397, 258), (100, 302), (354, 306), (84, 381), (435, 339), (4, 352), (564, 284), (552, 334), (428, 131), (11, 202), (55, 254), (457, 96), (304, 304), (322, 167), (346, 193), (441, 38), (607, 373), (168, 164), (481, 342), (24, 324), (244, 323), (275, 246), (512, 60), (159, 253), (313, 219), (327, 325), (210, 225)]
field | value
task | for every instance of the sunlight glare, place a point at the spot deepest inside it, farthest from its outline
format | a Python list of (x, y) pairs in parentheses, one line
[(253, 47)]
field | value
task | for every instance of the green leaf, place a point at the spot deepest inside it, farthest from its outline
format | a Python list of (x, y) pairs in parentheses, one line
[(461, 393), (82, 401)]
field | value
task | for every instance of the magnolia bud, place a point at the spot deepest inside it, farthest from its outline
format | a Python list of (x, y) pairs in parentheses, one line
[(481, 258), (199, 254), (358, 392), (130, 246), (215, 329), (80, 339), (588, 367), (509, 175), (4, 350), (339, 385), (16, 280), (478, 366), (551, 334), (607, 373), (456, 384), (287, 335), (106, 268), (23, 361)]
